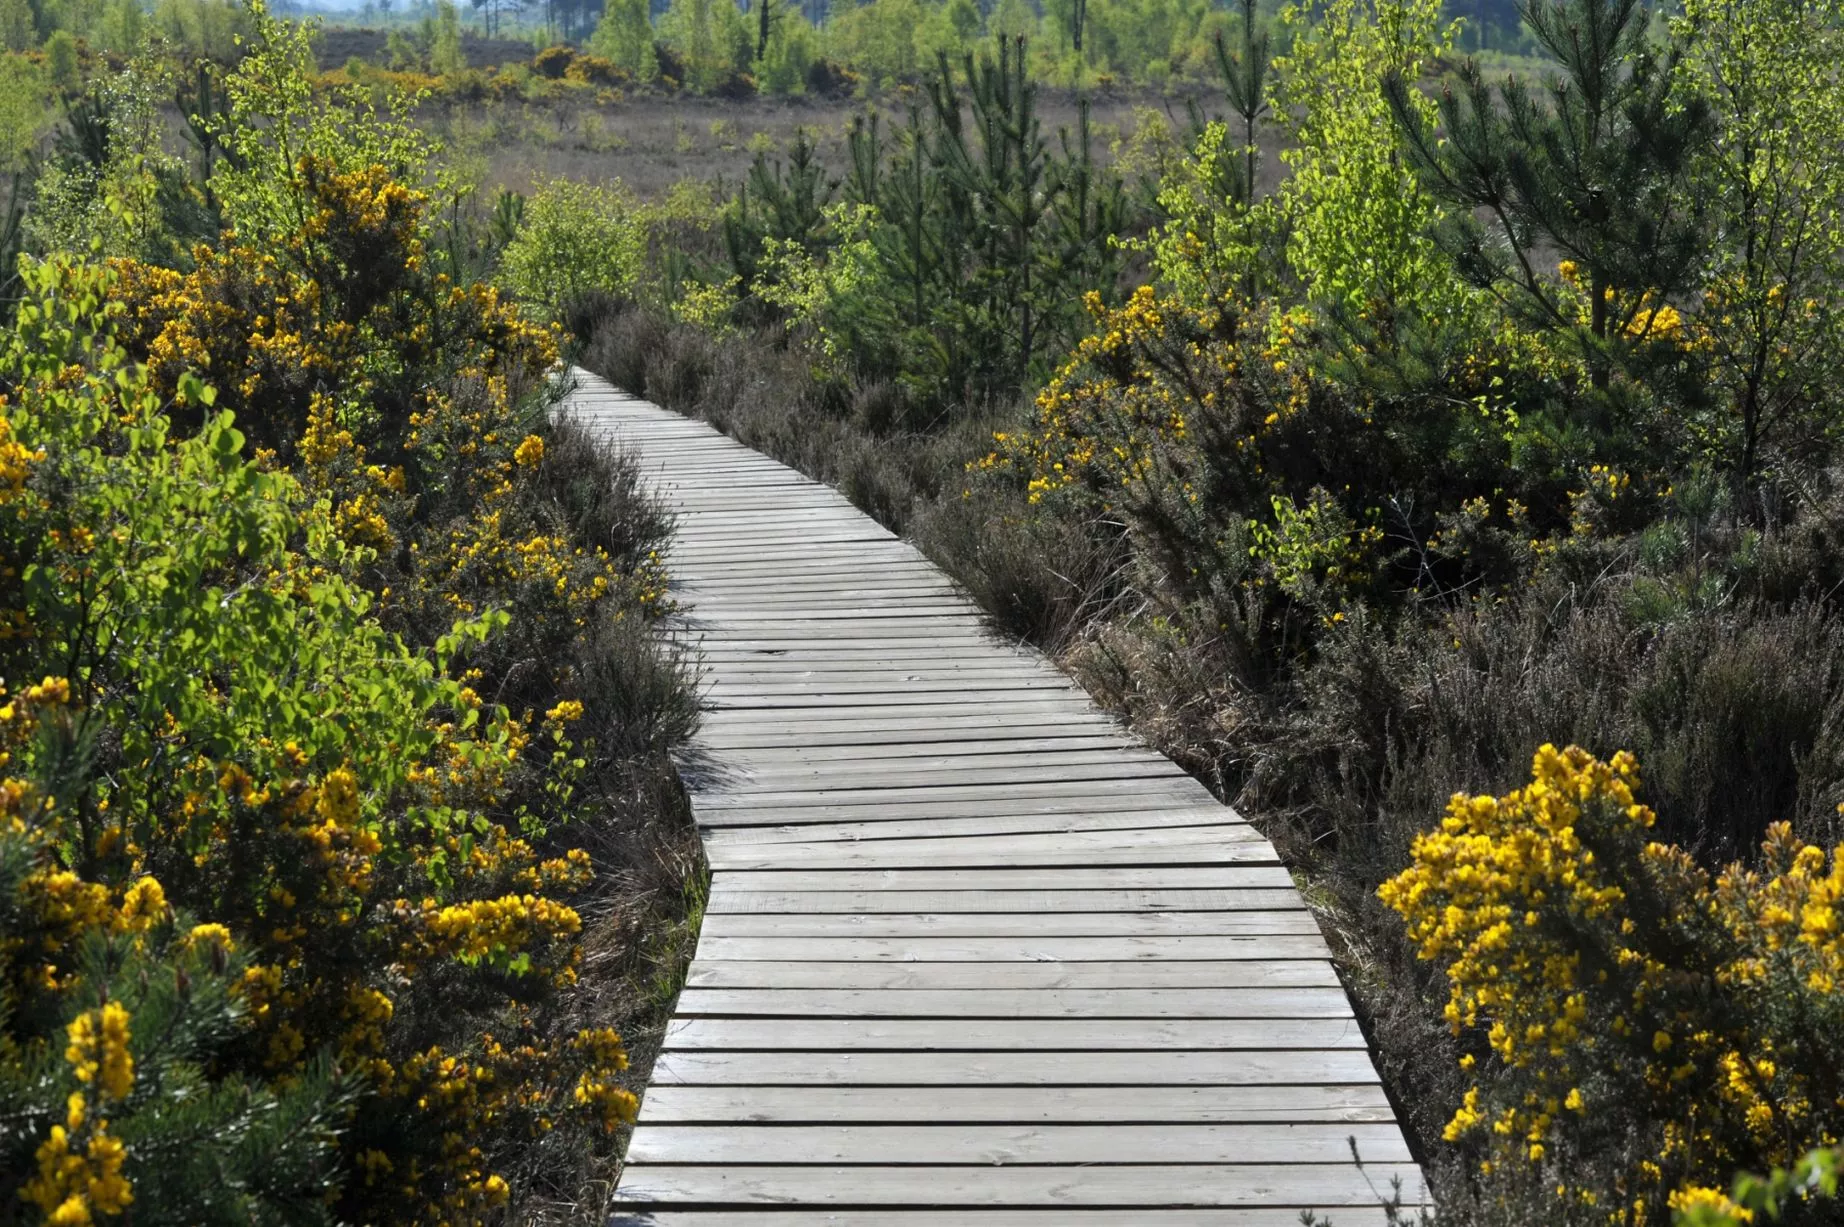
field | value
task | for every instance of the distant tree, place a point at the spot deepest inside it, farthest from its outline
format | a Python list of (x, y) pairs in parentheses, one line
[(445, 55), (624, 37), (17, 31), (61, 60), (687, 26), (1013, 19), (793, 49), (1771, 331)]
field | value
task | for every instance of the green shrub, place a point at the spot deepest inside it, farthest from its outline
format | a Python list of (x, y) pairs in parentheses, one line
[(572, 239)]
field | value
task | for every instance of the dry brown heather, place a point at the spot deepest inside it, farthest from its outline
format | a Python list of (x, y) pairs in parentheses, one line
[(651, 141)]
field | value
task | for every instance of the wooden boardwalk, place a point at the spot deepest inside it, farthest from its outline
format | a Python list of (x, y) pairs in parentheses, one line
[(973, 955)]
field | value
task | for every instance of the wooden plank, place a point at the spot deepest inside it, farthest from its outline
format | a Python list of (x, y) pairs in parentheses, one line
[(1048, 768), (1104, 1067), (1213, 877), (1024, 749), (722, 731), (1005, 1145), (1256, 941), (1164, 794), (1115, 800), (1288, 1185), (1016, 974), (893, 853), (1062, 1216), (1045, 703), (1009, 924), (1124, 1105), (1020, 1003), (922, 1035), (800, 761), (1010, 824), (726, 897)]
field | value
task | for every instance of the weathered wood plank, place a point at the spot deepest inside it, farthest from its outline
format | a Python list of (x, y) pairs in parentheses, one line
[(1107, 1067), (989, 878), (1063, 1216), (1016, 974), (1018, 1003), (1124, 1105), (1009, 824), (1005, 1145), (727, 897), (909, 854), (988, 1034), (1027, 948), (1289, 1185)]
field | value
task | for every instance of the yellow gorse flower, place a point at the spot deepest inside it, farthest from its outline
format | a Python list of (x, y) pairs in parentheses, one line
[(1581, 952)]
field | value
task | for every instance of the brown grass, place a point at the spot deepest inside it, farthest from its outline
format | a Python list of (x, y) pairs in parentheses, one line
[(651, 141)]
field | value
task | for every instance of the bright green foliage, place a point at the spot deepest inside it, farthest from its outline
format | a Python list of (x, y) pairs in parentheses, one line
[(205, 28), (1357, 218), (1012, 20), (61, 60), (109, 194), (275, 120), (879, 38), (793, 47), (712, 39), (573, 238), (982, 240), (1212, 244), (125, 570), (1771, 355), (24, 114), (624, 37), (226, 729), (1595, 174), (810, 291)]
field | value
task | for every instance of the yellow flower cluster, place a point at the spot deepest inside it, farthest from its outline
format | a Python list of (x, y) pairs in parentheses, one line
[(80, 1168), (72, 1186), (99, 1052), (1603, 971)]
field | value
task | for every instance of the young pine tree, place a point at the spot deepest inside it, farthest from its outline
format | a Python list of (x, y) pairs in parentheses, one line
[(1594, 172)]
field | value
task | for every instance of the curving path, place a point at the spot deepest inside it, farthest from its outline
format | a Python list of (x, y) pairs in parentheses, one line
[(973, 955)]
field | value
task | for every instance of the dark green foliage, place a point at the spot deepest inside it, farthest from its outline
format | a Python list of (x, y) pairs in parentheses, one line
[(987, 234), (1596, 172), (781, 201)]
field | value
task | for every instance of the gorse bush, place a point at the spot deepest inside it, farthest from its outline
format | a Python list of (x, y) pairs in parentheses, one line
[(326, 695), (1614, 995), (226, 730)]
